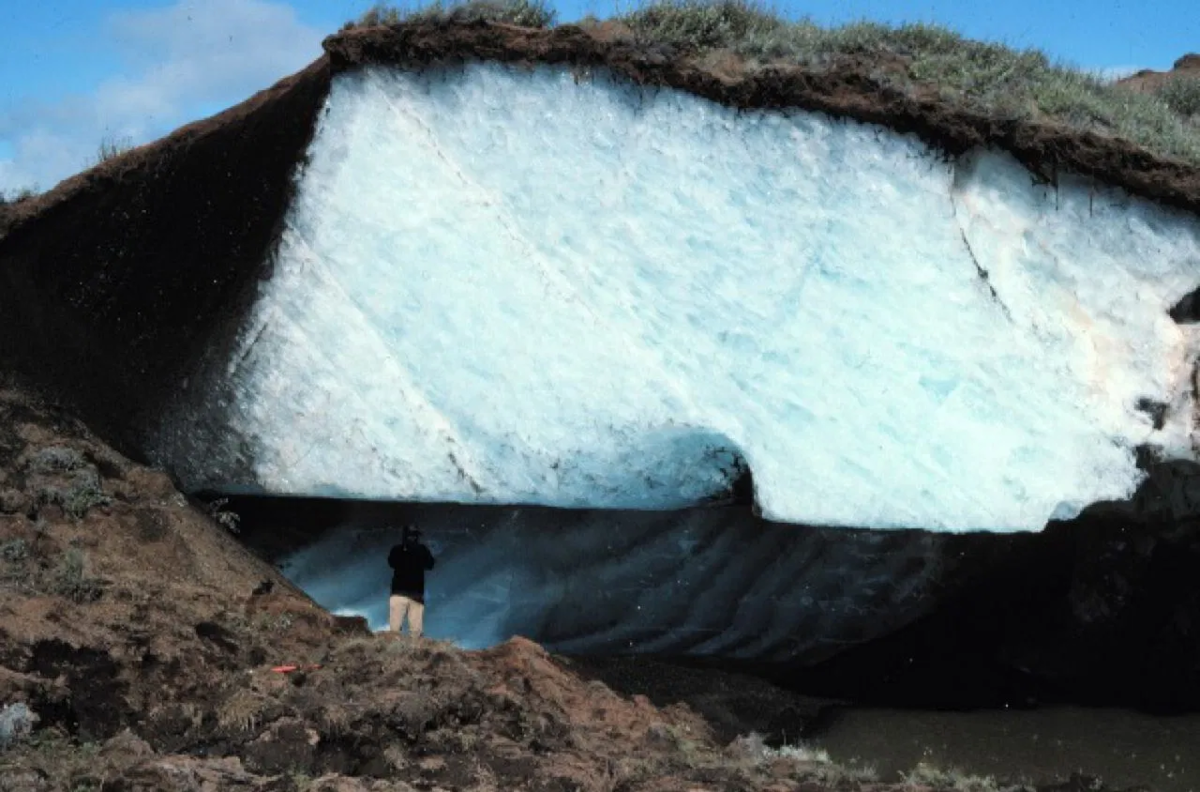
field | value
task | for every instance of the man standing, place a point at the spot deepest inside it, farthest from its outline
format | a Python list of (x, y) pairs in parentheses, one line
[(409, 560)]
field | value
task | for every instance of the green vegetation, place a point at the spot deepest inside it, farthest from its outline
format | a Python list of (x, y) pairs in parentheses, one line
[(378, 14), (16, 569), (57, 459), (929, 60), (928, 777), (225, 518), (76, 486), (526, 13), (81, 496), (1182, 94), (920, 60), (78, 496), (819, 768), (70, 580), (14, 551)]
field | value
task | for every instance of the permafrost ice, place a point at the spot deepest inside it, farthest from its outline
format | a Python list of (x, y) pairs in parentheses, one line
[(701, 581), (504, 286)]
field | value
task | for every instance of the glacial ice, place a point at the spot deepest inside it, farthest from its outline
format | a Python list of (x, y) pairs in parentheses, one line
[(509, 286), (697, 581)]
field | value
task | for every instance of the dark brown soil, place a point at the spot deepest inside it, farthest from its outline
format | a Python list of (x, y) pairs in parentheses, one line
[(115, 283)]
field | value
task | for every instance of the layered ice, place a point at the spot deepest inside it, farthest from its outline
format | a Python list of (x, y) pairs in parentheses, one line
[(711, 582), (498, 285)]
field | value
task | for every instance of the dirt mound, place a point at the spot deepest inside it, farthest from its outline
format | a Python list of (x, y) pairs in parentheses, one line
[(1149, 81)]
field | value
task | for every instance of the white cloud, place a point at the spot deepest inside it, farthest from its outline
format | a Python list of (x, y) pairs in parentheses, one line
[(181, 62)]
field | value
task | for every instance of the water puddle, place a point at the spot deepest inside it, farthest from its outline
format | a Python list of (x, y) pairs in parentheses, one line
[(1122, 748)]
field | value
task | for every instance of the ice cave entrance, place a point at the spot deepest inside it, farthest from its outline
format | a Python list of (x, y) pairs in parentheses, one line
[(714, 581)]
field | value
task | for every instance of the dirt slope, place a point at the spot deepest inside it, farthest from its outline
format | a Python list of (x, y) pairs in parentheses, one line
[(116, 283)]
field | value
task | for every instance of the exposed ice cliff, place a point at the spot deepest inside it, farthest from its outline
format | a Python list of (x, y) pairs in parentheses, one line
[(502, 285)]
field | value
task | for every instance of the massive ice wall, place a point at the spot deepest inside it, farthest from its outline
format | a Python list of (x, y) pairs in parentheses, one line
[(508, 286)]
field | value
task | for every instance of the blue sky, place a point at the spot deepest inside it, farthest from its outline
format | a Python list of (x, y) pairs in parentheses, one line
[(75, 71)]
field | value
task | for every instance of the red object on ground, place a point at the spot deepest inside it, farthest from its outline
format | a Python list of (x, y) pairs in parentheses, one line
[(287, 669)]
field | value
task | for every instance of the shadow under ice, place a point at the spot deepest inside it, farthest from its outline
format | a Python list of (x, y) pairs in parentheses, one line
[(1101, 610)]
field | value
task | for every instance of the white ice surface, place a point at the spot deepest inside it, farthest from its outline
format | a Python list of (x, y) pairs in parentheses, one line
[(503, 286)]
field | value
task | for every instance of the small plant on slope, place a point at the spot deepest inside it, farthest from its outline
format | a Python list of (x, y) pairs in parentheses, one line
[(112, 147), (376, 15), (227, 519), (70, 580), (18, 195)]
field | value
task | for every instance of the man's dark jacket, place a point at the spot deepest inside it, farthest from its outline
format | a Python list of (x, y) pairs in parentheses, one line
[(410, 562)]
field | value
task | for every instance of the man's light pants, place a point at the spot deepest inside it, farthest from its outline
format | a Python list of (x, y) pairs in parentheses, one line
[(400, 606)]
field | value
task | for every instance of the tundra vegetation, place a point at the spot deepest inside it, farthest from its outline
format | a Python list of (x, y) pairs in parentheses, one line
[(112, 147), (923, 61)]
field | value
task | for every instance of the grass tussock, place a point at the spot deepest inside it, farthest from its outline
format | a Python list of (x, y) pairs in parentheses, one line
[(242, 711), (525, 13), (226, 518), (14, 551), (1182, 95), (815, 764), (74, 484), (112, 147), (919, 59), (70, 579)]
